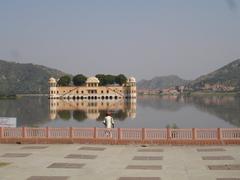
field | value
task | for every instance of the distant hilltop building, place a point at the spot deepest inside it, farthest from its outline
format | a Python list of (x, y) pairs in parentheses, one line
[(92, 90)]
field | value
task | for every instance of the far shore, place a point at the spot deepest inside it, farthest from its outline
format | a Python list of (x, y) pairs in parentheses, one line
[(200, 93), (16, 96), (197, 93), (21, 95)]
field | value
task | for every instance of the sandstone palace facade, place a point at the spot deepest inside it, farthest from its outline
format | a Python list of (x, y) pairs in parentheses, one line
[(92, 91)]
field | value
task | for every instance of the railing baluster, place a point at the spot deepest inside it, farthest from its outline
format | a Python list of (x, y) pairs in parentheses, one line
[(1, 132), (47, 132)]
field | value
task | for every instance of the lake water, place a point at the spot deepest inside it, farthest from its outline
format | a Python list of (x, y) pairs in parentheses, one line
[(146, 111)]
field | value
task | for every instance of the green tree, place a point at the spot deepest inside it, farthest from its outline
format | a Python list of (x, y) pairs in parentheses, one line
[(79, 80), (101, 78), (110, 79), (120, 79), (64, 81)]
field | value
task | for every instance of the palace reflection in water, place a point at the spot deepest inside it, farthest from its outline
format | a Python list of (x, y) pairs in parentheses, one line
[(148, 111), (92, 109)]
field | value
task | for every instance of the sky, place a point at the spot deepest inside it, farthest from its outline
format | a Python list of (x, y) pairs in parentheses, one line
[(140, 38)]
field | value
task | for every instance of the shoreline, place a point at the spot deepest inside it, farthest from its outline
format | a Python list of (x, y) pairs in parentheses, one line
[(197, 93)]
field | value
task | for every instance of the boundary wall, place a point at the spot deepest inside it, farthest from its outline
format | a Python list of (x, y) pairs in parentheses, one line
[(191, 136)]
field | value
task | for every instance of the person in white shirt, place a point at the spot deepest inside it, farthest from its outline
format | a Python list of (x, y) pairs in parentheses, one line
[(108, 121)]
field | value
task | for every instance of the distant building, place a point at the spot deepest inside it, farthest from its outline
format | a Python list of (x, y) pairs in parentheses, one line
[(218, 87), (148, 91), (173, 90), (92, 90)]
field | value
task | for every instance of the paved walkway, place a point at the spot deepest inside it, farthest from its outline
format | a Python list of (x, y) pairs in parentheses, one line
[(118, 162)]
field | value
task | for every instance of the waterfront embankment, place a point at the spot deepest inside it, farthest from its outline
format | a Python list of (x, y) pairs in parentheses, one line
[(120, 135)]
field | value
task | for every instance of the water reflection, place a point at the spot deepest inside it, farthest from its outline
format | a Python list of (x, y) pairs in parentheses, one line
[(166, 103), (29, 111), (223, 107), (92, 110), (152, 111)]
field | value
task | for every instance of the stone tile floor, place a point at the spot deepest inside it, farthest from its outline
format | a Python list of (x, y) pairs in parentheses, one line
[(118, 162)]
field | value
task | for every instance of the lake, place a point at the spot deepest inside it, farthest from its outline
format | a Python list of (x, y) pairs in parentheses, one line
[(146, 111)]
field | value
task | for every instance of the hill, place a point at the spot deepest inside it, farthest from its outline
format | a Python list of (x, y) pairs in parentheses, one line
[(16, 78), (161, 82), (226, 78)]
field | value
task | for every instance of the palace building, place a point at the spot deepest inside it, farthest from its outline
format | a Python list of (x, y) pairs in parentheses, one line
[(92, 91)]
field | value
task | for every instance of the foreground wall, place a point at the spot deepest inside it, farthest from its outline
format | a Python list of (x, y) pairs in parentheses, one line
[(120, 136)]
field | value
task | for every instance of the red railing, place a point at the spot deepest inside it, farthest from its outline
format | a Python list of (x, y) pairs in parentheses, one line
[(140, 135)]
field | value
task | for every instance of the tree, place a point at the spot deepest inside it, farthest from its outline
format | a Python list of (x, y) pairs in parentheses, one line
[(101, 78), (64, 81), (110, 79), (79, 80), (120, 79)]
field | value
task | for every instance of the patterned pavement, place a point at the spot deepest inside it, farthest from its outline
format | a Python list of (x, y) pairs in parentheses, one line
[(118, 162)]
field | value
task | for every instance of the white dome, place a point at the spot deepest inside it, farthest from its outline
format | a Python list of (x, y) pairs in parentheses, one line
[(92, 80), (52, 80), (132, 80)]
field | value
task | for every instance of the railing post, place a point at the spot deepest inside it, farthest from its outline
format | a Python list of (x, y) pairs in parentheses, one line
[(47, 132), (168, 133), (143, 134), (1, 132), (70, 132), (218, 133), (23, 132), (193, 133), (119, 134), (94, 132)]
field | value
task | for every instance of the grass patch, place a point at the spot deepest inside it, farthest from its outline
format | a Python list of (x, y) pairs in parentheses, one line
[(2, 164)]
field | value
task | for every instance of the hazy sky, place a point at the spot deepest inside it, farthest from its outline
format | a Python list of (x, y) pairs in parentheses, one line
[(142, 38)]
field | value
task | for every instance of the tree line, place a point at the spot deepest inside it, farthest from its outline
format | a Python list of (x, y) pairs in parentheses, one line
[(80, 79)]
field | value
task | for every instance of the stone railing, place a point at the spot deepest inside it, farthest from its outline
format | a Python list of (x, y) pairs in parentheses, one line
[(120, 135)]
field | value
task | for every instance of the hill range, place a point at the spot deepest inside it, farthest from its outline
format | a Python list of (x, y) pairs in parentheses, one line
[(162, 82), (228, 75), (17, 78)]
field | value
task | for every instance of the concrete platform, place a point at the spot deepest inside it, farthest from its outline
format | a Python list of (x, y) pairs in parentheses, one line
[(118, 162)]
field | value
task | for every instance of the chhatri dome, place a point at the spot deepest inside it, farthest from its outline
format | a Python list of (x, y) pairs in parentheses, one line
[(52, 80), (131, 80), (92, 80)]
